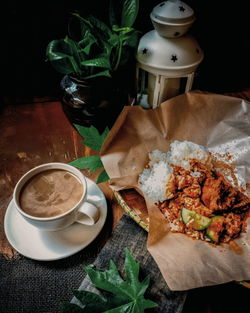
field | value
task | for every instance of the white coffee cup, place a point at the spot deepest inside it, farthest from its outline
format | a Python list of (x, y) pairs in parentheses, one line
[(82, 212)]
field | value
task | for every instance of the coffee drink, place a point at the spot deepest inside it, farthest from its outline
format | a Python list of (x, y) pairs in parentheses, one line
[(50, 193)]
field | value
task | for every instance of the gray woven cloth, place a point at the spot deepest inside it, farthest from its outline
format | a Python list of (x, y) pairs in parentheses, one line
[(128, 234), (28, 286)]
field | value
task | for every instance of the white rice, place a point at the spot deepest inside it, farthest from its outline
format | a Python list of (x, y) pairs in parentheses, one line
[(182, 151), (153, 180), (156, 156)]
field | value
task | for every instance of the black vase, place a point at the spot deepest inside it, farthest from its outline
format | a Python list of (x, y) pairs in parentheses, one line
[(96, 102)]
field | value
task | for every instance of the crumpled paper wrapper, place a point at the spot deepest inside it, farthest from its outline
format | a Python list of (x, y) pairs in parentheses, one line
[(221, 124)]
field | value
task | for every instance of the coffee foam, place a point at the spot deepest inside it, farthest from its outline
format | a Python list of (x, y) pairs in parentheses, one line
[(50, 193)]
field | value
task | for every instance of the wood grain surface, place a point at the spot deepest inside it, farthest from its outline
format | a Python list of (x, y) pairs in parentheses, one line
[(33, 134)]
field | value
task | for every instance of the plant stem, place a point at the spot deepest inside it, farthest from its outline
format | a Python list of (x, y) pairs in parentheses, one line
[(118, 55)]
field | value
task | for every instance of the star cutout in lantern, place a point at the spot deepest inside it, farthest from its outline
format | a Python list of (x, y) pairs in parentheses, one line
[(144, 51), (174, 58), (182, 9), (197, 50), (162, 4)]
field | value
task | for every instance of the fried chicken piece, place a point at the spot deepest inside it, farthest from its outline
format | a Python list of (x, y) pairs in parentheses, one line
[(228, 197), (217, 194), (211, 193), (242, 202)]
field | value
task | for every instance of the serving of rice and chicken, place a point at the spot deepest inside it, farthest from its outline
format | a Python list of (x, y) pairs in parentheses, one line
[(196, 199)]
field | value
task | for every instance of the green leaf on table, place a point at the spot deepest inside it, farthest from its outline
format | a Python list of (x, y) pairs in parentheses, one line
[(102, 177), (120, 295), (93, 162), (92, 138)]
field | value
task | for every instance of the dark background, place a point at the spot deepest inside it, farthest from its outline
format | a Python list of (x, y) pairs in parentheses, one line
[(221, 28)]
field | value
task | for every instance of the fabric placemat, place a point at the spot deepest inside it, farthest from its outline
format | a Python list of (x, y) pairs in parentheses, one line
[(128, 234), (28, 286)]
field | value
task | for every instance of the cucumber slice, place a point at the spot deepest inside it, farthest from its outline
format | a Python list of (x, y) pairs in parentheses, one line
[(215, 228), (195, 220)]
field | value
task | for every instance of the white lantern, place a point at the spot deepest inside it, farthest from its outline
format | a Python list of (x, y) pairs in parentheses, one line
[(167, 58)]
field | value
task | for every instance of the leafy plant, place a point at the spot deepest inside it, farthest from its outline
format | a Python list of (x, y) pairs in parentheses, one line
[(93, 140), (120, 295), (100, 49)]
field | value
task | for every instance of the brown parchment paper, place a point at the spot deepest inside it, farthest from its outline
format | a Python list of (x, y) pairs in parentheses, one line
[(220, 123)]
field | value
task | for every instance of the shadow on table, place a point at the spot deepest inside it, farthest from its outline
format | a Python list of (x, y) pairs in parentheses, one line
[(225, 298)]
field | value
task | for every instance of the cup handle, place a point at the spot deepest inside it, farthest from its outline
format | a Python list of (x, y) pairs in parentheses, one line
[(88, 214)]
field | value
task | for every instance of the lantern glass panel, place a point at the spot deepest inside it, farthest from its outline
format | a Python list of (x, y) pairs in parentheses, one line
[(142, 88)]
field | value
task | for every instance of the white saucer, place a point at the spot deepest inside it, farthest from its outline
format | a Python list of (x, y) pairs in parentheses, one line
[(49, 246)]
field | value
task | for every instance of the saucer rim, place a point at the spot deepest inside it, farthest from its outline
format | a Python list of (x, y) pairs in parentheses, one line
[(11, 206)]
